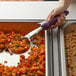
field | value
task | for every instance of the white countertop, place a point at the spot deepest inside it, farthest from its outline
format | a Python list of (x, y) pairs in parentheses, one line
[(30, 10), (25, 10)]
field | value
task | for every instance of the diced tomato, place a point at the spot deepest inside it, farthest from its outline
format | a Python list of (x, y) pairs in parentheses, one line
[(40, 73), (32, 69), (2, 40), (31, 39), (5, 61)]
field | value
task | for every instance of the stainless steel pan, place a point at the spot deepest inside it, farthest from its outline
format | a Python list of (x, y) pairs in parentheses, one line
[(68, 27), (16, 25)]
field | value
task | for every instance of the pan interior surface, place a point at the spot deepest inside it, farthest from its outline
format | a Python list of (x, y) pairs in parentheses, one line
[(18, 27)]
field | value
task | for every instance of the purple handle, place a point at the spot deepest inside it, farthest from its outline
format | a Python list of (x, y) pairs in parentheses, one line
[(47, 24)]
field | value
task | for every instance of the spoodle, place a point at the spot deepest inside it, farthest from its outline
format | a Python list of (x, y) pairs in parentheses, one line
[(45, 25)]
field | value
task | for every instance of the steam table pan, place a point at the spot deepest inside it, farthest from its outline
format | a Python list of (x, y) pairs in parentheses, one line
[(20, 25), (69, 26)]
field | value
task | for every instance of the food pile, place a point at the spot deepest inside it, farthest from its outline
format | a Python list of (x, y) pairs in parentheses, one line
[(33, 65), (70, 49), (11, 41)]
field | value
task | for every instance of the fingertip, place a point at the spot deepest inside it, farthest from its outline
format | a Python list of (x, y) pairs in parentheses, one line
[(63, 18), (51, 16), (63, 14)]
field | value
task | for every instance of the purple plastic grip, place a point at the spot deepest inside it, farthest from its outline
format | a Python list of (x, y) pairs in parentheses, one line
[(47, 24)]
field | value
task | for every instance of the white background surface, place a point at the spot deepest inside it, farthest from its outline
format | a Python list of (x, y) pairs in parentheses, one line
[(25, 10), (30, 10)]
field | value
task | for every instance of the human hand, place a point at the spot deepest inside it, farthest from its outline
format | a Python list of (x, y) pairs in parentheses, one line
[(58, 10)]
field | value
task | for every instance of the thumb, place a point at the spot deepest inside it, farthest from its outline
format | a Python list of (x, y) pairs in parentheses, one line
[(51, 16)]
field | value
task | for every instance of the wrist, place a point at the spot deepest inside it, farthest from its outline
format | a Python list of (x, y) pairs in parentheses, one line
[(65, 3), (62, 6)]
